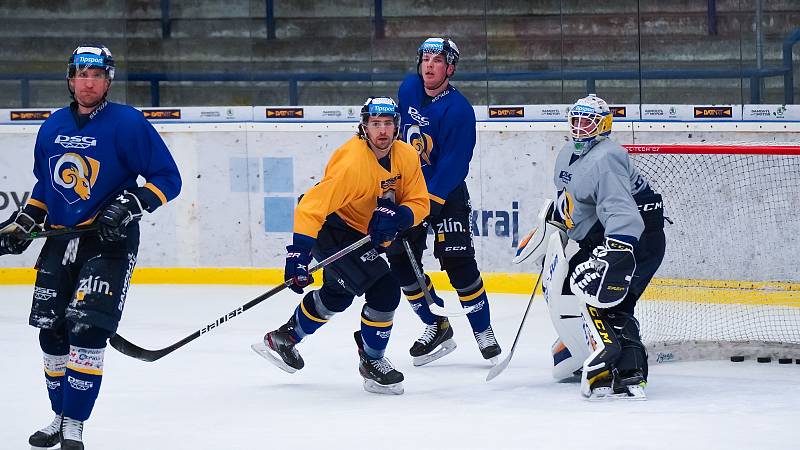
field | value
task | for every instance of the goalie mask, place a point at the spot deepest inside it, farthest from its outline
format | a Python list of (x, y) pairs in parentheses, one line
[(377, 107), (589, 118)]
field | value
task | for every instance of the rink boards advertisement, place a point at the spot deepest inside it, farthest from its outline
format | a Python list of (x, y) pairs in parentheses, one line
[(241, 181)]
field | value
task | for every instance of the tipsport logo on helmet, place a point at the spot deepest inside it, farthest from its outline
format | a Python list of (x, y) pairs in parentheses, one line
[(73, 176), (90, 60), (381, 109), (440, 45)]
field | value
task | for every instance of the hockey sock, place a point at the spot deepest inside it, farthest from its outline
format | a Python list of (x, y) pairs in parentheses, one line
[(84, 371), (472, 296), (416, 298), (54, 347), (55, 367), (311, 314), (466, 279), (376, 327)]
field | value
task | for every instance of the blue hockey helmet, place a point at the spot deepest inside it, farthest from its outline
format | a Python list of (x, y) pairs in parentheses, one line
[(376, 107), (87, 56)]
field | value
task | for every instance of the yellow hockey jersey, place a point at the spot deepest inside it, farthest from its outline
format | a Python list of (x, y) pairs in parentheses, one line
[(352, 183)]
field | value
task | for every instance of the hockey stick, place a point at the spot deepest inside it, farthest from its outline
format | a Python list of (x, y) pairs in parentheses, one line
[(125, 347), (498, 369), (436, 309), (57, 232)]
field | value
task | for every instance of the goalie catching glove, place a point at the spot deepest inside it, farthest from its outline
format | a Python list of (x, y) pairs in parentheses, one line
[(604, 279)]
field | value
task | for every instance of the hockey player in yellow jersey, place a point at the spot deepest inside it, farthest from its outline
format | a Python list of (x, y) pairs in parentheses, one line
[(373, 184)]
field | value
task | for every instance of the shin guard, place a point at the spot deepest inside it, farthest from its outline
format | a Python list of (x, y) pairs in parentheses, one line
[(83, 376), (416, 298), (376, 327)]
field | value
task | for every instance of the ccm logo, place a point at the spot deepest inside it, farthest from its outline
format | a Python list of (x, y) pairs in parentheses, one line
[(455, 248), (651, 206)]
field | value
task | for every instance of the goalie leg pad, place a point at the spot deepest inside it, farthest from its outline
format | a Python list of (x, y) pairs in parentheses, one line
[(607, 348), (572, 347)]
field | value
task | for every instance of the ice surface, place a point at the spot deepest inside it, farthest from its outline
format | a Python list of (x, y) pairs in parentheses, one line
[(215, 393)]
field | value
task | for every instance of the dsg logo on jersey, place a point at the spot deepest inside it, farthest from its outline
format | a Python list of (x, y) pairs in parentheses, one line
[(79, 142)]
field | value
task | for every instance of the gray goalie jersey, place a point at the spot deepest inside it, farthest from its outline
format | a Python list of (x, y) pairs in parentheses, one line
[(598, 185)]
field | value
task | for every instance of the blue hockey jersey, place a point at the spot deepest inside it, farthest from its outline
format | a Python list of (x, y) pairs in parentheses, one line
[(78, 170), (442, 129)]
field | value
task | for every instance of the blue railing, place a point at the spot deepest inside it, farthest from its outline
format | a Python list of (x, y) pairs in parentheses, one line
[(294, 79)]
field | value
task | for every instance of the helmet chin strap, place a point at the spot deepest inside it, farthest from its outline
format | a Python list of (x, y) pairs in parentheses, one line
[(446, 77)]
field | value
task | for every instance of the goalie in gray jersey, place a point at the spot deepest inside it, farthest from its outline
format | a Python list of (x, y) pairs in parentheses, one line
[(610, 210)]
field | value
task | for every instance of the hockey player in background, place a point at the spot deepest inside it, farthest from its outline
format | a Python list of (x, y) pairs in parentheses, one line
[(87, 158), (440, 123), (617, 219), (373, 184)]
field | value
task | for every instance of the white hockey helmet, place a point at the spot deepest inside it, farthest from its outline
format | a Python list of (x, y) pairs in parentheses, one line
[(597, 119)]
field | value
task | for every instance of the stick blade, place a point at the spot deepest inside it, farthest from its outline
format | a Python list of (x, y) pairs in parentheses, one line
[(127, 348), (498, 369)]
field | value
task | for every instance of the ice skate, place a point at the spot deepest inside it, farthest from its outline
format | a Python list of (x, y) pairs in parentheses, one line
[(617, 387), (278, 347), (71, 434), (380, 376), (487, 343), (440, 335), (48, 436)]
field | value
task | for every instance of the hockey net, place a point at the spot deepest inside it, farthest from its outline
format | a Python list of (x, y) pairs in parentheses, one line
[(729, 284)]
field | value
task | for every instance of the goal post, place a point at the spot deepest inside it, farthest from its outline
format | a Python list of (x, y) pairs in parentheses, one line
[(729, 285)]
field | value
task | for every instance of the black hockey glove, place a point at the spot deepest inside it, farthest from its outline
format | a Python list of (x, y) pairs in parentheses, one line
[(21, 222), (115, 217), (387, 220), (604, 279), (298, 257)]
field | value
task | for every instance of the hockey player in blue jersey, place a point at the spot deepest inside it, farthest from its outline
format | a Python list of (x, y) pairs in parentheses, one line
[(87, 158), (440, 123)]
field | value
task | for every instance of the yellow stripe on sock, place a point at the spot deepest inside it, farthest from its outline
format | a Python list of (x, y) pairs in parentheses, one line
[(84, 369), (308, 314), (376, 324), (467, 298)]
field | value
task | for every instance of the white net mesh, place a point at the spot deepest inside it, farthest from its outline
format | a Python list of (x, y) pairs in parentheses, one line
[(730, 269)]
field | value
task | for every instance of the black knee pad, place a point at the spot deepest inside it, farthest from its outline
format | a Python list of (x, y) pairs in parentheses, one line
[(335, 298), (87, 336), (53, 341), (384, 294), (634, 354), (462, 272), (401, 269)]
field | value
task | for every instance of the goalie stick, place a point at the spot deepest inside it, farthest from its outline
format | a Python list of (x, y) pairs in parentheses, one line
[(127, 348), (436, 309), (498, 369)]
